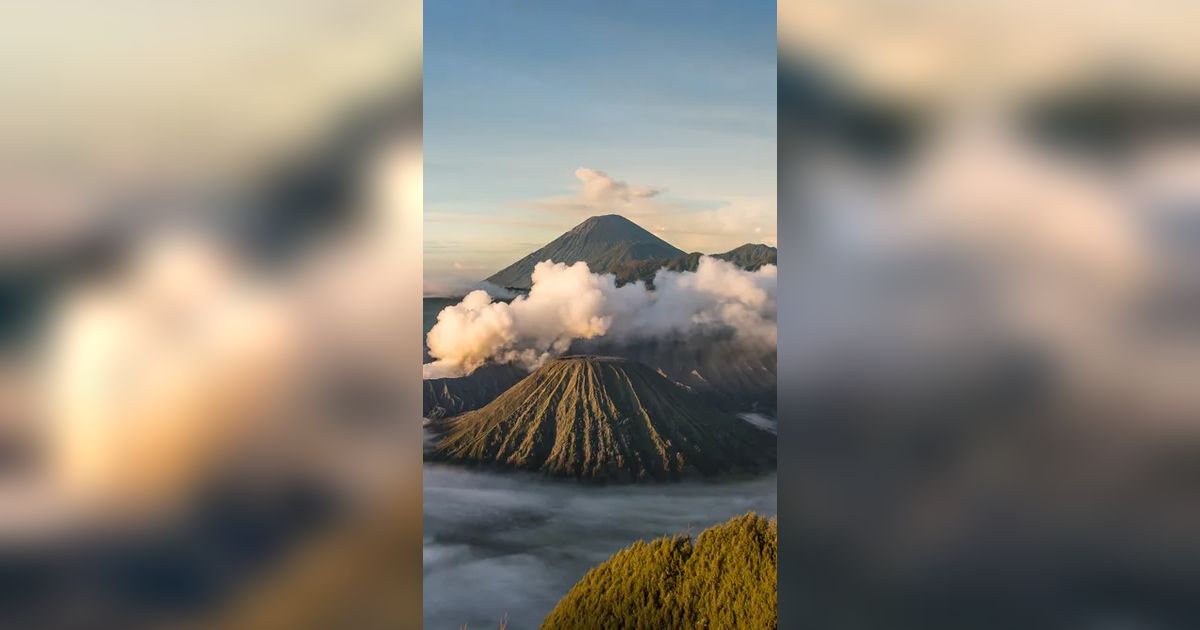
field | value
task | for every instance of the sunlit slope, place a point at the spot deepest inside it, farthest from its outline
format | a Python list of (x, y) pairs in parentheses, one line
[(725, 579), (605, 419)]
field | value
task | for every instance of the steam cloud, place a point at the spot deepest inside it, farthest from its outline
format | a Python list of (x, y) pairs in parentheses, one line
[(568, 302)]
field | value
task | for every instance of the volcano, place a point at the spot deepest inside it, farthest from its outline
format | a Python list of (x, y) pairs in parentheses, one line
[(603, 419), (606, 243)]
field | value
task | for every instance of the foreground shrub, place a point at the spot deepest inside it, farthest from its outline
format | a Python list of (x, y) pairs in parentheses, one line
[(725, 579)]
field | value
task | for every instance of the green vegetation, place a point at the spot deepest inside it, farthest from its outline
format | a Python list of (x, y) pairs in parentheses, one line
[(726, 580), (603, 419)]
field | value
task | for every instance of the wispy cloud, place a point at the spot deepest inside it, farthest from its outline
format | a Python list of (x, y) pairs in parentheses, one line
[(598, 192)]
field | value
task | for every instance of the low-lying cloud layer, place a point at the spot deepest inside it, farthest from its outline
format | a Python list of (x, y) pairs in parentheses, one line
[(568, 302)]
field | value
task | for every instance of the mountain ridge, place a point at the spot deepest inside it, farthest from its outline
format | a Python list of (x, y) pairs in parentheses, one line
[(748, 256)]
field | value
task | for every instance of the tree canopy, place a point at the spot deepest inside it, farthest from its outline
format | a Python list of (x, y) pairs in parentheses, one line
[(724, 579)]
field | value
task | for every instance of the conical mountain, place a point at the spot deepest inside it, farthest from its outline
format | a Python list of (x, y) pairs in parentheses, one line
[(605, 419), (605, 243)]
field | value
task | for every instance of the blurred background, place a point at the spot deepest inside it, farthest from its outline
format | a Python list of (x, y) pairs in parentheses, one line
[(210, 277), (990, 237), (210, 236)]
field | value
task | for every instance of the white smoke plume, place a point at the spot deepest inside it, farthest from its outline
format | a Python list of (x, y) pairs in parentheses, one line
[(568, 302)]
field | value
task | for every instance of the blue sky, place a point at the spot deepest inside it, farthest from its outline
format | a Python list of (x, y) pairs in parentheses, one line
[(672, 98)]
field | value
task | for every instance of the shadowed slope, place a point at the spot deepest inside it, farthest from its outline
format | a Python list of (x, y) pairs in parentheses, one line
[(725, 579), (604, 419), (725, 373), (444, 397)]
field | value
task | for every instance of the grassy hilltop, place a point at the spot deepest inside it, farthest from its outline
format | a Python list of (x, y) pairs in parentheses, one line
[(725, 579)]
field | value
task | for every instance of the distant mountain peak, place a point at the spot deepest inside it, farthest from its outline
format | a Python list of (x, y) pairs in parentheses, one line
[(616, 225), (605, 218), (605, 242), (751, 247)]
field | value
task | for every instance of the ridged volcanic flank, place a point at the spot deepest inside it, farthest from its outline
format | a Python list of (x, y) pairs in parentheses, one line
[(605, 419)]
